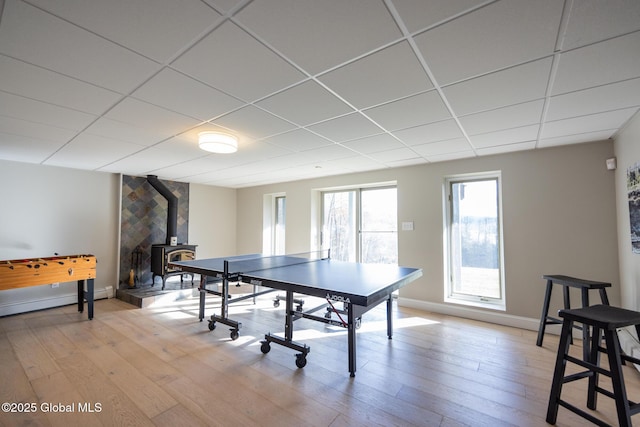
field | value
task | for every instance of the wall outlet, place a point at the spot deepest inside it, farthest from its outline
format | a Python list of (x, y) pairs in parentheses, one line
[(55, 285)]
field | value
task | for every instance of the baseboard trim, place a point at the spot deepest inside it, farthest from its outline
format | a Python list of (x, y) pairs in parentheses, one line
[(18, 307), (472, 313)]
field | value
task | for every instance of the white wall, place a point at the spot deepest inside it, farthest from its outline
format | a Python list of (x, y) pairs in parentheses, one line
[(627, 151), (48, 210), (559, 218)]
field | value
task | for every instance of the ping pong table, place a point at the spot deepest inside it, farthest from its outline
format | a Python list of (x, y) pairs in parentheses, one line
[(359, 287)]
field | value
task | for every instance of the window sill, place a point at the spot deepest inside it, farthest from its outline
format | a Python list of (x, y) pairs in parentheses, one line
[(472, 302)]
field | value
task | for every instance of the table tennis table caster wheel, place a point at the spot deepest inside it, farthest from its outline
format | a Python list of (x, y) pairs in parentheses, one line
[(265, 347), (212, 325), (276, 303), (301, 360), (327, 315), (358, 322), (234, 334)]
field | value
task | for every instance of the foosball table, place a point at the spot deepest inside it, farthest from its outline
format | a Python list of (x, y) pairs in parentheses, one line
[(22, 273)]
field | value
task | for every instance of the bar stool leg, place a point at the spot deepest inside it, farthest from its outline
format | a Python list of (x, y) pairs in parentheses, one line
[(617, 378), (558, 373), (567, 304), (585, 328), (594, 358), (545, 312)]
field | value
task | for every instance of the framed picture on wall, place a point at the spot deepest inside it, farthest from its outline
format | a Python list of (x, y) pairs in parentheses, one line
[(633, 190)]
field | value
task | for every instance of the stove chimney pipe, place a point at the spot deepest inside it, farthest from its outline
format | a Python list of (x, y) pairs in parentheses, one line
[(172, 209)]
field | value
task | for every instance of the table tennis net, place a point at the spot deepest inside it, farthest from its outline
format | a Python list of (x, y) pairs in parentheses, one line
[(259, 263)]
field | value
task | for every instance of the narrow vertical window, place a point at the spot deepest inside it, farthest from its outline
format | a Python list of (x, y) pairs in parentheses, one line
[(279, 233), (474, 241)]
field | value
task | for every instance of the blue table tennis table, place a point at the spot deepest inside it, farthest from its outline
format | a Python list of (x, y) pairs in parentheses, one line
[(359, 287)]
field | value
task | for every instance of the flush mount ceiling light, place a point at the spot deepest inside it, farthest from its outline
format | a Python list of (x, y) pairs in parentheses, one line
[(217, 142)]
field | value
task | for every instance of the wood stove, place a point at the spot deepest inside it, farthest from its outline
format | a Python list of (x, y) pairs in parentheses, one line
[(162, 255)]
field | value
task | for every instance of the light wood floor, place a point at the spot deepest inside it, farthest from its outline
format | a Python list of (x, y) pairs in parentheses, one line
[(160, 366)]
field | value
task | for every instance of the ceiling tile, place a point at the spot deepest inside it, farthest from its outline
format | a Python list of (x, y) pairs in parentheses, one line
[(345, 128), (305, 104), (595, 100), (91, 152), (34, 36), (408, 112), (20, 148), (252, 122), (592, 123), (298, 140), (114, 129), (231, 60), (27, 109), (141, 163), (394, 155), (155, 28), (321, 35), (385, 75), (594, 20), (601, 63), (177, 92), (35, 130), (512, 86), (146, 116), (523, 29), (447, 129), (503, 118), (575, 139), (374, 144), (420, 14), (507, 148), (450, 156), (505, 137), (439, 148), (37, 83)]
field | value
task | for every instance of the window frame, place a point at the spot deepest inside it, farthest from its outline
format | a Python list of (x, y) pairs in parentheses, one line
[(450, 295)]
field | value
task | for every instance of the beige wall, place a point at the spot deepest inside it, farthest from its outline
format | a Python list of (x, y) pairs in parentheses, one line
[(47, 210), (212, 220), (559, 218), (627, 151)]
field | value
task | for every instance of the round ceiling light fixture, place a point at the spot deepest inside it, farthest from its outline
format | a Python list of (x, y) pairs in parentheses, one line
[(217, 142)]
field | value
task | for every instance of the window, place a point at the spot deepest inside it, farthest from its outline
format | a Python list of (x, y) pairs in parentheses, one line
[(280, 203), (361, 224), (273, 224), (473, 246)]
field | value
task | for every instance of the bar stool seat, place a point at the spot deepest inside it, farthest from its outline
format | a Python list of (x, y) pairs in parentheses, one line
[(568, 282), (603, 320)]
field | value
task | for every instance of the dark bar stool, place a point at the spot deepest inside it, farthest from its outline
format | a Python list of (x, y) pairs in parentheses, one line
[(568, 282), (603, 319)]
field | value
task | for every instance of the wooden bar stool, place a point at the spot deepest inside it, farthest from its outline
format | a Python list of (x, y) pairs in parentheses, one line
[(568, 282), (603, 319)]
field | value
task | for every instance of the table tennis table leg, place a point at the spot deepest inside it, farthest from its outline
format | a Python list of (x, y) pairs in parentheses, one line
[(351, 337), (203, 294), (390, 317), (235, 326)]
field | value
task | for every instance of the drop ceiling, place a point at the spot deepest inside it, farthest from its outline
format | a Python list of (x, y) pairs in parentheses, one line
[(311, 88)]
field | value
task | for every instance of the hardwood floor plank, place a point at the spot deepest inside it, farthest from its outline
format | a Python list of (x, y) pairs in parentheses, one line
[(161, 366), (34, 358), (96, 387)]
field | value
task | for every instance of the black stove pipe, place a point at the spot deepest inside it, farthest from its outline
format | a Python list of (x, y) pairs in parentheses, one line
[(172, 208)]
